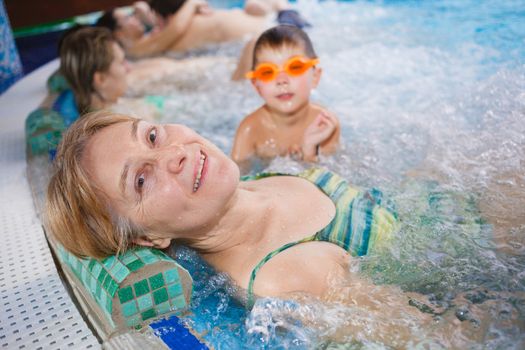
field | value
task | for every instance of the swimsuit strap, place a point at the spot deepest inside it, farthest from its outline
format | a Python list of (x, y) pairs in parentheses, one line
[(361, 219), (309, 175), (270, 255)]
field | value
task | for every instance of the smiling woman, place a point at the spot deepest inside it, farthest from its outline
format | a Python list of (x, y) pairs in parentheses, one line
[(269, 233), (155, 172), (164, 182)]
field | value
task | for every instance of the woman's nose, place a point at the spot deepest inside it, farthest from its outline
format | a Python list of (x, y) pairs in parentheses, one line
[(175, 157)]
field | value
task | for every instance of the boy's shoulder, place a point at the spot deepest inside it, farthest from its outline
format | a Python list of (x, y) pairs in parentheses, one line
[(253, 119), (315, 109)]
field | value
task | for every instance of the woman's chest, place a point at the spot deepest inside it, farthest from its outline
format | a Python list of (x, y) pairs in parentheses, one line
[(306, 211), (300, 210)]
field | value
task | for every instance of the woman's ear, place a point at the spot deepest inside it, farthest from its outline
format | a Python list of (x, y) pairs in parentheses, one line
[(98, 80), (143, 241), (159, 243)]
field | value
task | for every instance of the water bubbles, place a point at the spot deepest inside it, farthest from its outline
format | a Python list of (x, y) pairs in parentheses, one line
[(462, 314), (431, 111), (274, 319)]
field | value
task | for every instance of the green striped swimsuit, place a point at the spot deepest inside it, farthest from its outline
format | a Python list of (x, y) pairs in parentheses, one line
[(360, 222)]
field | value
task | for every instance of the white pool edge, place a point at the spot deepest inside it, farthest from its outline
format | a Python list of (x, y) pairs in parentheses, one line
[(36, 311)]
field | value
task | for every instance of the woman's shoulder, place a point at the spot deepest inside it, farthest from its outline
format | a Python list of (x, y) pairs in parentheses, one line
[(311, 268)]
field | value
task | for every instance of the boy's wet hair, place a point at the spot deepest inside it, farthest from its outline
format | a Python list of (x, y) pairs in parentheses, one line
[(165, 8), (283, 35), (107, 20)]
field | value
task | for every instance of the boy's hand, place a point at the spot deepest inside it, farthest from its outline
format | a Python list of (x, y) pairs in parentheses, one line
[(316, 133)]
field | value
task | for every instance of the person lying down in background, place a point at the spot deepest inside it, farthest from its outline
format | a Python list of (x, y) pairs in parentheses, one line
[(99, 75)]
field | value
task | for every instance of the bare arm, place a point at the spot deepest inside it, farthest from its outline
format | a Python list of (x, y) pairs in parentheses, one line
[(149, 69), (381, 312), (163, 39), (309, 268)]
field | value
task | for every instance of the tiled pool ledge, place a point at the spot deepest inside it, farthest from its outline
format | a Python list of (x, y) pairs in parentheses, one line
[(37, 311)]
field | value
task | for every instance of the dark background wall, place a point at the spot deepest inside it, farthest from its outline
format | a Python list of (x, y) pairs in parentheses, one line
[(37, 49), (23, 13)]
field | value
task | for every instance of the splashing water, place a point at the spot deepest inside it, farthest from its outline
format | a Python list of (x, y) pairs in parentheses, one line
[(431, 99)]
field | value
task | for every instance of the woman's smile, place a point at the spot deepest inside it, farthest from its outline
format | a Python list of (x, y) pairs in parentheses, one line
[(201, 166)]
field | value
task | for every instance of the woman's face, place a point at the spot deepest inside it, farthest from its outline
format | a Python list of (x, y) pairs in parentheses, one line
[(112, 84), (165, 178)]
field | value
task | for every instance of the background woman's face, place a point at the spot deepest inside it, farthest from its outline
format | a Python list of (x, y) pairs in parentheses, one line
[(114, 83), (165, 178)]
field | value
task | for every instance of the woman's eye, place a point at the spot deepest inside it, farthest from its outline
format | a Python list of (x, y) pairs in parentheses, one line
[(152, 136), (140, 182)]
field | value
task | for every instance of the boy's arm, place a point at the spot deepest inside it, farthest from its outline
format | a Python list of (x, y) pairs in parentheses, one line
[(243, 145), (163, 39)]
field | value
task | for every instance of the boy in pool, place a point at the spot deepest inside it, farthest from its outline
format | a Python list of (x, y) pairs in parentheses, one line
[(285, 72)]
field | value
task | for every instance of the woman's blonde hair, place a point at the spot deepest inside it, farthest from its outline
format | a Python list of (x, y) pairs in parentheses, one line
[(83, 52), (77, 213)]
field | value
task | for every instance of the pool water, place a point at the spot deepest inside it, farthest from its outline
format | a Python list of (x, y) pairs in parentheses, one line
[(431, 99)]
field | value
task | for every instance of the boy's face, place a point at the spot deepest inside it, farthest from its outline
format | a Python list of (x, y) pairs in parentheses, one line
[(286, 94)]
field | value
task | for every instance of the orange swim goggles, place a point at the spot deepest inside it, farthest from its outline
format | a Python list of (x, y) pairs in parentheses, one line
[(294, 67)]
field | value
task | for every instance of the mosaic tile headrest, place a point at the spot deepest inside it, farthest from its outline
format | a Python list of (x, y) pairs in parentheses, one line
[(136, 286)]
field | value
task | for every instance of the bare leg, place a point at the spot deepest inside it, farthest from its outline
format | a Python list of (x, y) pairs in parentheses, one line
[(264, 7), (245, 61)]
